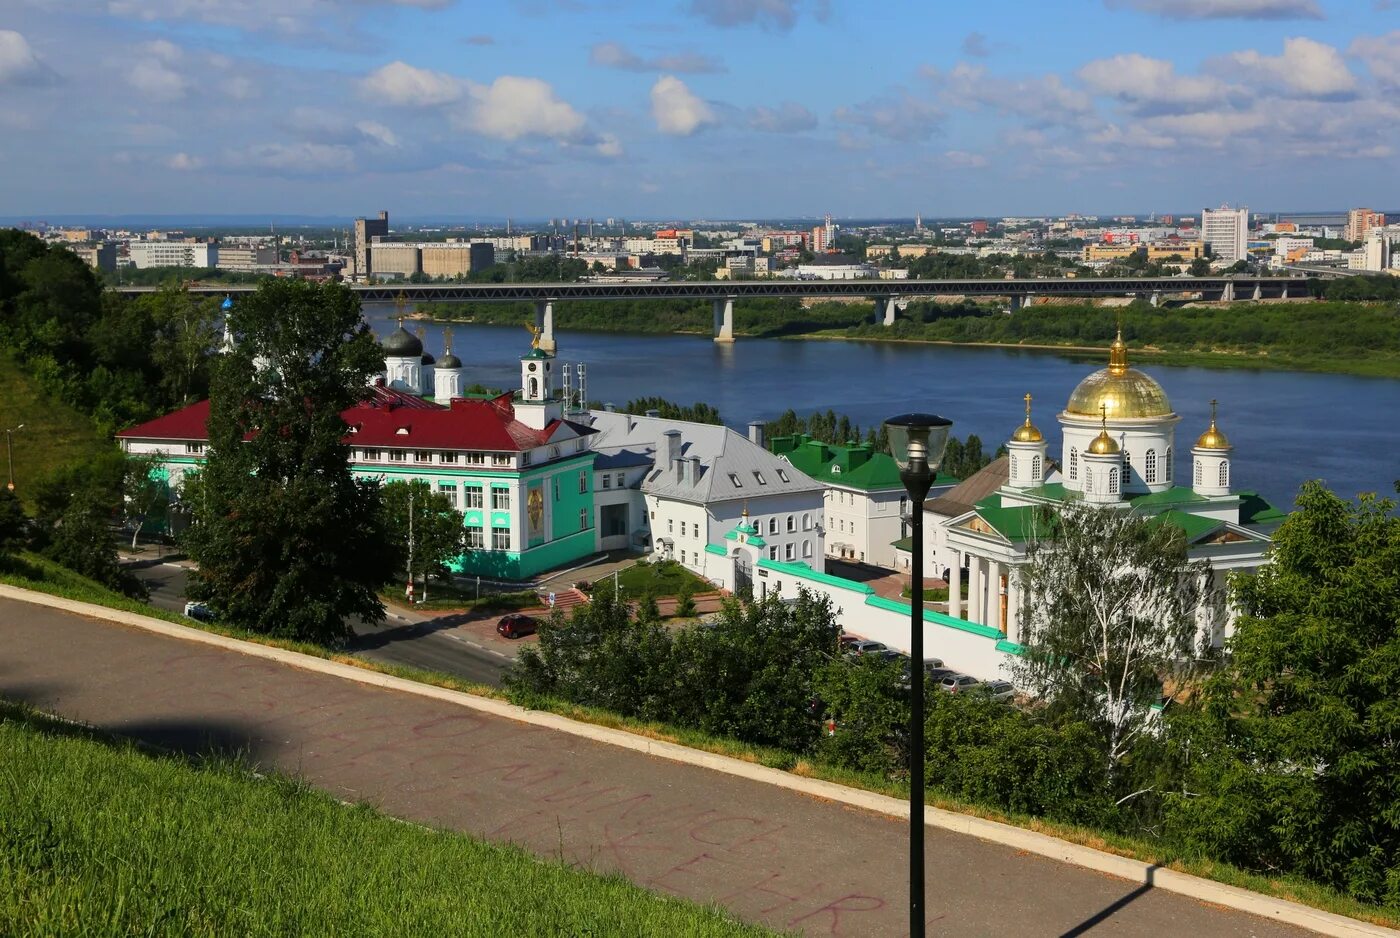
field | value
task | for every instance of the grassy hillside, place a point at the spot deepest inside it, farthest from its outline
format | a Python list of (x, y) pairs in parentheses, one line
[(97, 837), (54, 433)]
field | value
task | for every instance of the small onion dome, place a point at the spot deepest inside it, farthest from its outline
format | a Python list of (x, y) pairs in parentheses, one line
[(428, 359), (402, 344), (1027, 432), (1103, 445), (449, 361), (1212, 438)]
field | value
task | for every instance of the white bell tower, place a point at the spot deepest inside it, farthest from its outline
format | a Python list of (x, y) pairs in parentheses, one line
[(1210, 461), (1027, 454), (1103, 467), (539, 405)]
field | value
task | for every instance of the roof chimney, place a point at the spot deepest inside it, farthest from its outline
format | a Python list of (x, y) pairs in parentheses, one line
[(610, 407), (670, 450), (694, 469), (653, 413), (756, 432)]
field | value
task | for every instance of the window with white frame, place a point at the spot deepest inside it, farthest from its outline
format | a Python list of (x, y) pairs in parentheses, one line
[(791, 523), (500, 460), (806, 521), (773, 525), (500, 538), (1151, 465), (607, 481), (622, 480), (447, 458), (789, 551), (1224, 473), (1113, 481), (682, 529), (476, 459), (1199, 474), (396, 455), (500, 499), (583, 519), (773, 553), (583, 481), (423, 455), (474, 498), (806, 549), (450, 490), (371, 455), (194, 449), (476, 539), (1074, 462), (1168, 461)]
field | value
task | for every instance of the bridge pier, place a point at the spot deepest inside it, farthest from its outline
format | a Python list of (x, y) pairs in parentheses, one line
[(1258, 291), (544, 322), (885, 310), (1155, 299), (1015, 302), (1227, 295), (724, 319)]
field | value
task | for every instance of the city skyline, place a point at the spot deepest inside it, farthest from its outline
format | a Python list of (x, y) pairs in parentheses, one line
[(696, 108)]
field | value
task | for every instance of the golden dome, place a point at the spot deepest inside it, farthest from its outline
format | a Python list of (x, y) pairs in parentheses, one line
[(1212, 438), (1119, 391), (1027, 432), (1103, 444)]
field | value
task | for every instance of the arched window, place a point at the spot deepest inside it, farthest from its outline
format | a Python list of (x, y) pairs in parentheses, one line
[(1199, 472), (792, 523), (1014, 464), (1113, 481), (534, 387), (773, 525), (1151, 461), (1073, 463), (806, 521), (1035, 468), (806, 548), (1224, 473), (1088, 478), (1168, 460)]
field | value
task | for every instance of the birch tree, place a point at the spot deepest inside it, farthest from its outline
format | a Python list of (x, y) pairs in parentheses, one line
[(1110, 619)]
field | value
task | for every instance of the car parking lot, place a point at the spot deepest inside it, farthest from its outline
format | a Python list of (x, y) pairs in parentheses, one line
[(936, 674)]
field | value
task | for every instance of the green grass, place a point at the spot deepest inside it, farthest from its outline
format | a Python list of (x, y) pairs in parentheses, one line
[(666, 578), (938, 595), (447, 597), (54, 433), (44, 576), (98, 837)]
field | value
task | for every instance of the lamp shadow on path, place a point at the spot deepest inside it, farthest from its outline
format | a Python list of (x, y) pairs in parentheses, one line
[(1108, 911)]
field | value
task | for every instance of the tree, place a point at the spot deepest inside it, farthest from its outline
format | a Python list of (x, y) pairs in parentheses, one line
[(435, 535), (288, 542), (685, 603), (145, 492), (82, 542), (12, 525), (1291, 758), (184, 342), (1200, 267), (1110, 618)]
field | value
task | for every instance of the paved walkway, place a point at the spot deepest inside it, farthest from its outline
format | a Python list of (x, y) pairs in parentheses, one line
[(769, 855)]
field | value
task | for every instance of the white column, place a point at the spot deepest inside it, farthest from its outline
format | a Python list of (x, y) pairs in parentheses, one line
[(1013, 606), (974, 590), (955, 587), (994, 571), (724, 319), (544, 322)]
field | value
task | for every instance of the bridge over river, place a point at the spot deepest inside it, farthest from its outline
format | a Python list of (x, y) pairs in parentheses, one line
[(888, 295)]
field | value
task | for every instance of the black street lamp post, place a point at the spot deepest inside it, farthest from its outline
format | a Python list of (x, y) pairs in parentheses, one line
[(917, 442)]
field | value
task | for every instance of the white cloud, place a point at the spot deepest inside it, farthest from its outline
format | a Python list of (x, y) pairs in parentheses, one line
[(1224, 9), (284, 19), (787, 118), (183, 162), (156, 80), (903, 117), (676, 108), (1150, 84), (1045, 99), (616, 55), (1133, 137), (294, 159), (1306, 67), (377, 132), (1381, 55), (608, 145), (18, 63), (512, 107), (401, 83), (962, 159)]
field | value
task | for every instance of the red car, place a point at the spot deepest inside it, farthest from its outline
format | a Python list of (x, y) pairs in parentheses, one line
[(516, 625)]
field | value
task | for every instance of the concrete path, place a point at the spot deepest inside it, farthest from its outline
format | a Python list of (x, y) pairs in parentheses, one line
[(769, 855)]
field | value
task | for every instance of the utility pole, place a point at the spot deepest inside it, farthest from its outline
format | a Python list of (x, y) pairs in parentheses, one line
[(10, 455), (410, 542)]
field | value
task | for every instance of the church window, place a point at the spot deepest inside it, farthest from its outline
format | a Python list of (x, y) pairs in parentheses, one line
[(502, 460), (1199, 473), (791, 523), (500, 499), (1151, 466), (1168, 460), (1127, 464), (1073, 463), (1113, 481), (500, 538), (476, 459), (371, 455), (1035, 473), (194, 449), (773, 525), (1224, 473), (806, 521), (806, 548), (1088, 478), (534, 387), (1015, 472)]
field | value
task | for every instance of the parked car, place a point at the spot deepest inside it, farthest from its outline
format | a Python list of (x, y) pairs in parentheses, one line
[(1000, 691), (517, 624), (863, 646), (954, 683), (933, 672), (199, 612)]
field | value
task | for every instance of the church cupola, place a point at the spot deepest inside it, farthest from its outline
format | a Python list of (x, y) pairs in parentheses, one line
[(1103, 466), (403, 360), (1026, 450), (1210, 460), (539, 405), (447, 376), (226, 310), (429, 364)]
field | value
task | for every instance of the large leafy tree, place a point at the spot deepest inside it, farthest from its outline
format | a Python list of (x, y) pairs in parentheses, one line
[(1292, 762), (1109, 620), (288, 542), (12, 525), (145, 492), (424, 529)]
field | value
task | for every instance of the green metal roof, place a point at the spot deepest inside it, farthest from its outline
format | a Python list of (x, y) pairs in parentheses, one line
[(1194, 527), (1176, 495), (856, 465), (1255, 509), (904, 543)]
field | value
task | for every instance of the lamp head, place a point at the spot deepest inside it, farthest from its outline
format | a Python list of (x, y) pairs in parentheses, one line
[(917, 442)]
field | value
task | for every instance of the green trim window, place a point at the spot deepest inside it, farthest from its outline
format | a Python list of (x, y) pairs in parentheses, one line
[(474, 496), (500, 538), (450, 490), (583, 519), (476, 539), (500, 501), (583, 482)]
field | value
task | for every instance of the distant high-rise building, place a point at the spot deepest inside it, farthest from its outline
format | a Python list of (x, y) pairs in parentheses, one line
[(1360, 221), (1377, 250), (1225, 231), (366, 230)]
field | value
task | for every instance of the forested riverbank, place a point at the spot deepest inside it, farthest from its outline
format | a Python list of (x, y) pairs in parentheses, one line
[(1358, 338)]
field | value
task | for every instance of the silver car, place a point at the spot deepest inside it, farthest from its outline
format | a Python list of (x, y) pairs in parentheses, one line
[(955, 683)]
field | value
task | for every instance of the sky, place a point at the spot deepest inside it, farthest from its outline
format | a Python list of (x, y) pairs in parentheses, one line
[(696, 109)]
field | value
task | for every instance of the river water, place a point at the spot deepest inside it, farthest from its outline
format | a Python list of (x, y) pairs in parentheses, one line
[(1286, 427)]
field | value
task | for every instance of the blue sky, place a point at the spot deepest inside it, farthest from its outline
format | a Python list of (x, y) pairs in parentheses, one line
[(696, 108)]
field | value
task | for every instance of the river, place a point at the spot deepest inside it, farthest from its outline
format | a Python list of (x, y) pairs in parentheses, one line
[(1286, 427)]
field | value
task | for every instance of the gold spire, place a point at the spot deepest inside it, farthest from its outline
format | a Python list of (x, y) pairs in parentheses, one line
[(1103, 445), (447, 339), (1212, 438), (1118, 352), (1027, 432)]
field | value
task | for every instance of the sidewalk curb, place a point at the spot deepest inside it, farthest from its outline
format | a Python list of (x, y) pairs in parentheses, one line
[(1204, 890)]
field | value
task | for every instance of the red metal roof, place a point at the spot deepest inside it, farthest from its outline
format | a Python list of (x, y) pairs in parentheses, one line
[(391, 418)]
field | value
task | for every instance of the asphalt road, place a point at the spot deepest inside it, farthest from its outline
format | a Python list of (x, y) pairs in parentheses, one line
[(766, 854), (418, 644)]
